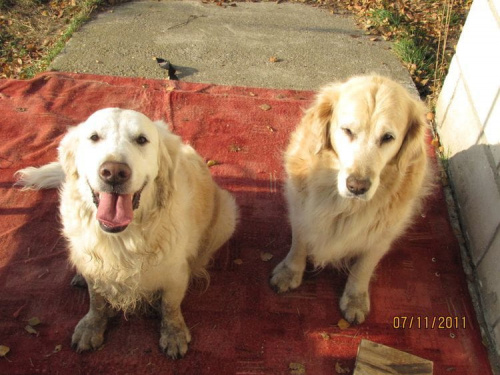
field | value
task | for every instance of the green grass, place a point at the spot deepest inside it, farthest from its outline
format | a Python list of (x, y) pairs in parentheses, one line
[(383, 17), (423, 34), (87, 7), (411, 52), (5, 4), (444, 157)]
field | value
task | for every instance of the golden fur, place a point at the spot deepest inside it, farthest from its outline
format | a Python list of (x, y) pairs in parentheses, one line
[(357, 172), (183, 217)]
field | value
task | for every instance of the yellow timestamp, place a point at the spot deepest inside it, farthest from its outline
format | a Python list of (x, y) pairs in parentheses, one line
[(429, 322)]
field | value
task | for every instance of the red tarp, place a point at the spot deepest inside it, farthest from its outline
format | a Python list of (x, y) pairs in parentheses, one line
[(239, 326)]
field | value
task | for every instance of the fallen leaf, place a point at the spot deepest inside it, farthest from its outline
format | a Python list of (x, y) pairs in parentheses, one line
[(265, 107), (325, 336), (31, 330), (4, 350), (343, 324), (341, 370), (297, 368), (274, 59), (239, 262), (266, 257), (211, 163), (57, 349), (34, 321)]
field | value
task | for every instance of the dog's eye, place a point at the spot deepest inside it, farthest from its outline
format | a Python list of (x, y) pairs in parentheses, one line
[(348, 132), (141, 140), (386, 138), (94, 137)]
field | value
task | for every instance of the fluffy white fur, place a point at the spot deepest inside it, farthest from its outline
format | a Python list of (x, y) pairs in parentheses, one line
[(183, 217), (357, 174)]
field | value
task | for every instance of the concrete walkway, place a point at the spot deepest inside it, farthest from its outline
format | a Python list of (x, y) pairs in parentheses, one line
[(230, 45)]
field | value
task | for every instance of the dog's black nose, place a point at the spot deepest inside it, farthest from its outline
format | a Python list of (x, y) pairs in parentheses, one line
[(114, 173), (358, 186)]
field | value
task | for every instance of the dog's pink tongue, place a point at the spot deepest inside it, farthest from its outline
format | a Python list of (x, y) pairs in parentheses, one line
[(115, 210)]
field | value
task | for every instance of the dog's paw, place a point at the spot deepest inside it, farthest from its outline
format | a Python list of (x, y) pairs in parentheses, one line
[(284, 278), (174, 341), (88, 334), (355, 307)]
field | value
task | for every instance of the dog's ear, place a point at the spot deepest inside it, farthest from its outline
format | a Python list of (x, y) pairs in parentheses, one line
[(66, 152), (413, 145), (168, 152), (319, 116)]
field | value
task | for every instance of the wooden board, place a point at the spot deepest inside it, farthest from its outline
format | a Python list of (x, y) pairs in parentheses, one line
[(378, 359)]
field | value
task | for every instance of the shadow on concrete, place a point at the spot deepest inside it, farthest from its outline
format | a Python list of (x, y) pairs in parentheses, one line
[(184, 71)]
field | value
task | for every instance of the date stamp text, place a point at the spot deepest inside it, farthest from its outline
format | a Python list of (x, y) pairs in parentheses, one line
[(429, 322)]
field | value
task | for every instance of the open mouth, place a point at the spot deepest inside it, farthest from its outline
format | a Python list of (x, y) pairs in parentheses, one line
[(115, 211)]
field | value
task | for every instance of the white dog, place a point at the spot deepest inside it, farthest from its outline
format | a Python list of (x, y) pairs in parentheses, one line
[(357, 173), (141, 213)]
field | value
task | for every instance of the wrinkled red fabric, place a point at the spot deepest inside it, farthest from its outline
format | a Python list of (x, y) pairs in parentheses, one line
[(239, 325)]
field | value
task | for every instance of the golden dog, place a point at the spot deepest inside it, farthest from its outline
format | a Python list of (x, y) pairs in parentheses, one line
[(357, 172), (141, 213)]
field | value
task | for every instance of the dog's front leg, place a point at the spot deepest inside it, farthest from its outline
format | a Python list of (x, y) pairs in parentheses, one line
[(288, 274), (355, 301), (175, 335), (89, 332)]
